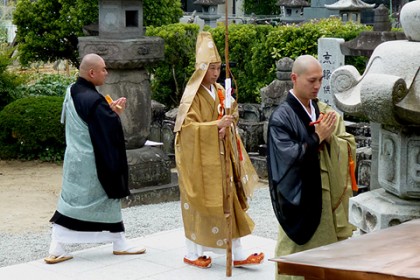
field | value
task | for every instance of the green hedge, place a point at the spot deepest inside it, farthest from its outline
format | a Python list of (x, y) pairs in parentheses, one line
[(30, 129), (171, 75), (255, 49)]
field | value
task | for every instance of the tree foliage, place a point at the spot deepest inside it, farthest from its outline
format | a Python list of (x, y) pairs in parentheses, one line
[(48, 29), (254, 48), (155, 14), (9, 81), (261, 7), (172, 74)]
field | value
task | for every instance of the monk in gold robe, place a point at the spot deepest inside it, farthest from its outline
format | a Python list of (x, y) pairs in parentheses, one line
[(210, 160)]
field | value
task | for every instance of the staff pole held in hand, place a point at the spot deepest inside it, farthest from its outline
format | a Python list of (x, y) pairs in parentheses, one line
[(228, 146)]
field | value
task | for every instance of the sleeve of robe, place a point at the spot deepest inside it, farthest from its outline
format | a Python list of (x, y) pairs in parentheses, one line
[(335, 174), (287, 148), (199, 161), (107, 137)]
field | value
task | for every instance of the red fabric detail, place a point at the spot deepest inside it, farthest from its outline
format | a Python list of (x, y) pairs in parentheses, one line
[(238, 143), (222, 103)]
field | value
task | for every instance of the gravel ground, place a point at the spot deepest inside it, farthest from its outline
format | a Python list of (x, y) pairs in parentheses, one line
[(139, 221)]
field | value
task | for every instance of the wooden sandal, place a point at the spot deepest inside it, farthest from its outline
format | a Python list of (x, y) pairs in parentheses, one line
[(51, 259)]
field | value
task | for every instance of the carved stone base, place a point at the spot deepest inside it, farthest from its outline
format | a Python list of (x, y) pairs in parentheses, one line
[(148, 167), (124, 54), (379, 209), (155, 194)]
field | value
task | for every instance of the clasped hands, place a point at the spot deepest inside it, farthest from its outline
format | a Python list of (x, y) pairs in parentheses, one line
[(225, 121), (326, 126)]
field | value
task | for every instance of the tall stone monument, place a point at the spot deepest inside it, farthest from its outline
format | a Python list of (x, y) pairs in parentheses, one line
[(125, 49), (330, 57), (388, 95)]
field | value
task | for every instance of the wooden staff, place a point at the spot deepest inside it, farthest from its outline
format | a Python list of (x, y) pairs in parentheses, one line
[(228, 145)]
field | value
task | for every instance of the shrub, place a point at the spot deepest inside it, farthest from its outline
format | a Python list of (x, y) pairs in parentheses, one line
[(243, 40), (30, 129), (46, 85), (254, 48)]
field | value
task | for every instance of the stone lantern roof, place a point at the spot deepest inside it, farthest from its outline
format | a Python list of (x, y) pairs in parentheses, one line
[(209, 2), (349, 5), (293, 3)]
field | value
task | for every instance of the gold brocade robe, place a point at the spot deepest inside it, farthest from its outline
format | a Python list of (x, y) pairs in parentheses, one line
[(336, 192), (201, 168)]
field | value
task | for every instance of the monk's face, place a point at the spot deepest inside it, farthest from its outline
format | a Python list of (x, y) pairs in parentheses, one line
[(212, 74), (306, 85), (99, 73)]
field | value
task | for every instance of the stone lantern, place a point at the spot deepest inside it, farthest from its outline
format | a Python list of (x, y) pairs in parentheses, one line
[(126, 51), (209, 11), (387, 94), (350, 8), (120, 19), (292, 10)]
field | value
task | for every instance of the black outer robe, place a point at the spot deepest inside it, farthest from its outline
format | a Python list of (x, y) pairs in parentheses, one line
[(108, 143), (294, 170)]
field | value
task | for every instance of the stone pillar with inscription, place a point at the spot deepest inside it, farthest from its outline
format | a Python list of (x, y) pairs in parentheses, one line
[(330, 57), (387, 94), (125, 49)]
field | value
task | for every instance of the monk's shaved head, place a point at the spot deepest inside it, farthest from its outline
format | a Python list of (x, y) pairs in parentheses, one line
[(93, 69), (307, 78), (89, 61), (303, 63)]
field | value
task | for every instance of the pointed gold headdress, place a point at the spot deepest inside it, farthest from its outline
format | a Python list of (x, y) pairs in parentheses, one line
[(205, 53)]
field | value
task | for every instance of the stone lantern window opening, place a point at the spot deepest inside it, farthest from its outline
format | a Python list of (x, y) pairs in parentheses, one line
[(131, 18), (121, 19), (209, 10), (292, 10)]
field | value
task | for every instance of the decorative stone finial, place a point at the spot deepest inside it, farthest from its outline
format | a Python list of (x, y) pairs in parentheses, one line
[(410, 20)]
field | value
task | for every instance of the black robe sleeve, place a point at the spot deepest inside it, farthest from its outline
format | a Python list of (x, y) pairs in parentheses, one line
[(107, 137), (294, 171)]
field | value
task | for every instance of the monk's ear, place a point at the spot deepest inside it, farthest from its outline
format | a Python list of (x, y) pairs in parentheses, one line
[(293, 77)]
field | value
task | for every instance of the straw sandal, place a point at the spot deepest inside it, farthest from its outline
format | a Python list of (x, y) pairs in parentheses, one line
[(51, 259), (130, 252)]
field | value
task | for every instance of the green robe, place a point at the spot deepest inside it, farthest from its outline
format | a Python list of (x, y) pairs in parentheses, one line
[(82, 196)]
